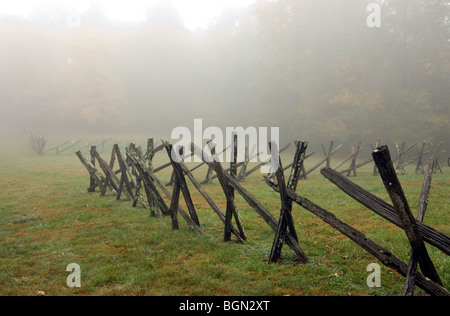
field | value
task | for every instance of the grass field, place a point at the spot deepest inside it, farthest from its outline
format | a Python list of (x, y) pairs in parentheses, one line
[(48, 221)]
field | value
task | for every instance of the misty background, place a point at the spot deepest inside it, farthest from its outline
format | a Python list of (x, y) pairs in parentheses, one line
[(311, 67)]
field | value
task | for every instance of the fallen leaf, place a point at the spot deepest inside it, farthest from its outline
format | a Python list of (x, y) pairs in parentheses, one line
[(335, 275)]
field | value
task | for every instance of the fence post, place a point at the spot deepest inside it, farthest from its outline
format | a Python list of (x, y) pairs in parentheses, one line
[(408, 288), (286, 219), (385, 166)]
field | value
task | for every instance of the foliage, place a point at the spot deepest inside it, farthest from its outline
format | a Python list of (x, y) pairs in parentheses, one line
[(361, 83), (311, 67)]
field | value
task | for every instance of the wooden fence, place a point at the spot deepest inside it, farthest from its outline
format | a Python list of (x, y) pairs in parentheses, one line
[(135, 173)]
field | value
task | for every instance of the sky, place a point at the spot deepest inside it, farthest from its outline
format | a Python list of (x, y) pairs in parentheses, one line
[(196, 14)]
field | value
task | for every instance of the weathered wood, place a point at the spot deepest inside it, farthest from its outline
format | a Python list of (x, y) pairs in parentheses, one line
[(385, 166), (124, 177), (286, 219), (138, 194), (243, 171), (74, 143), (362, 164), (424, 195), (265, 162), (60, 145), (149, 155), (231, 208), (299, 159), (352, 167), (181, 211), (421, 152), (344, 161), (174, 204), (138, 182), (203, 163), (384, 255), (183, 185), (400, 150), (147, 179), (160, 210), (172, 176), (414, 160), (385, 210), (95, 175), (160, 168), (93, 183), (322, 161), (110, 176), (328, 156), (375, 170), (210, 172), (258, 207), (291, 164), (435, 154), (229, 193), (37, 143), (57, 146), (208, 199), (408, 288)]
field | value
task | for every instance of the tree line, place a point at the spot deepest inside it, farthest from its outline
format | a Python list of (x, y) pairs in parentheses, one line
[(311, 67)]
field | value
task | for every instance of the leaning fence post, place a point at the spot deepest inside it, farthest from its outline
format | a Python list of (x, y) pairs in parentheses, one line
[(92, 181), (183, 185), (436, 157), (149, 155), (385, 166), (229, 194), (95, 175), (124, 178), (134, 155), (353, 168), (408, 289), (209, 200), (243, 171), (400, 150), (110, 177), (286, 219), (174, 204), (209, 173), (419, 166)]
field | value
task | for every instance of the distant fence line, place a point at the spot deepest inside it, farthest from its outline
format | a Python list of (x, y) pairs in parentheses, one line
[(405, 155)]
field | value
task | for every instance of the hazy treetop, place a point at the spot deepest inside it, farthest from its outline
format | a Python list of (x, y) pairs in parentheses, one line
[(311, 67)]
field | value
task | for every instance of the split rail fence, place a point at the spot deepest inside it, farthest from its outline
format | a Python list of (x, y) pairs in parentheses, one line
[(135, 174)]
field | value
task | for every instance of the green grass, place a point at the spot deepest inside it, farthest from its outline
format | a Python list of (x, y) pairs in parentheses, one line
[(48, 220)]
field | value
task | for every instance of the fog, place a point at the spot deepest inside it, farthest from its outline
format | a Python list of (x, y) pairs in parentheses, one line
[(317, 69)]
